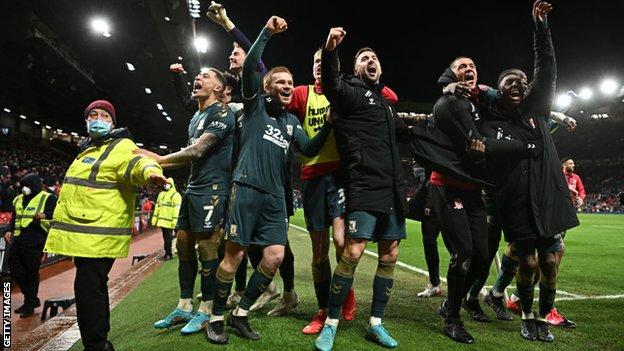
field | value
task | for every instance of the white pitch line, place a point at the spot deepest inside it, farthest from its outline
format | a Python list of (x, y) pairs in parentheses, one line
[(568, 295)]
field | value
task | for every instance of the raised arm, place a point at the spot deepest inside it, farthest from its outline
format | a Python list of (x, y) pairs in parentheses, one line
[(251, 82), (218, 14), (333, 87), (182, 90), (541, 94)]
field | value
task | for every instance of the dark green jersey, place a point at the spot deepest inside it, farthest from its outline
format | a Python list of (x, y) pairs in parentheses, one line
[(211, 173), (265, 140)]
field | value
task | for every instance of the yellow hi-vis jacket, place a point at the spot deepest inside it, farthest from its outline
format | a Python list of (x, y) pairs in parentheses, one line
[(167, 208), (25, 216), (95, 210)]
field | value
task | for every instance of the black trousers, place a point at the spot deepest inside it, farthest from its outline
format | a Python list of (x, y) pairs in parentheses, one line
[(24, 262), (168, 239), (494, 237), (92, 304), (430, 227), (463, 219)]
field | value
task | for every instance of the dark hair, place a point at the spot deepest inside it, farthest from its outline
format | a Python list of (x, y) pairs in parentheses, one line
[(220, 76), (509, 72), (231, 80), (359, 52)]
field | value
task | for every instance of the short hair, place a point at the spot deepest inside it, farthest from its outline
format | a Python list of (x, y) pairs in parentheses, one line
[(231, 80), (511, 72), (268, 78), (219, 76), (359, 52), (459, 58)]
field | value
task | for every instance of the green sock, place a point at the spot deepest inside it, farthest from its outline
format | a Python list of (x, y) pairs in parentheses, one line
[(321, 275), (223, 285), (505, 276), (546, 300), (340, 286), (382, 287), (208, 271), (525, 293), (187, 271), (259, 281)]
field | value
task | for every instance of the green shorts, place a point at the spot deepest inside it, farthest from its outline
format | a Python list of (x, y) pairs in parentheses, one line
[(523, 248), (376, 226), (202, 213), (323, 200), (256, 217)]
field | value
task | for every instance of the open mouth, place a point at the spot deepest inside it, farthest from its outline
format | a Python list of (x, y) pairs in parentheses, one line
[(372, 70), (285, 94), (469, 77), (515, 93)]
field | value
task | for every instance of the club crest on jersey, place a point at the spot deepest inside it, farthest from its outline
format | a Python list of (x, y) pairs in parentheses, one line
[(458, 205), (532, 122), (352, 226), (371, 101), (233, 230), (200, 125), (289, 129), (88, 160)]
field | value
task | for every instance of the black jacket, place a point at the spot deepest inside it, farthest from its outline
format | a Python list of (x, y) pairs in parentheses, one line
[(532, 198), (366, 129)]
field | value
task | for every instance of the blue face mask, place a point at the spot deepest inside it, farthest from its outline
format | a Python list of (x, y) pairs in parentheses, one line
[(98, 128)]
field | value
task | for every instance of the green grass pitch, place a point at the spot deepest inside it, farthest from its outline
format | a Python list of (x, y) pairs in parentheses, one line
[(591, 268)]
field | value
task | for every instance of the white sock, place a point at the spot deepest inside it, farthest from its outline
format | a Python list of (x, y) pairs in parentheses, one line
[(185, 305), (373, 321), (205, 307), (528, 315), (514, 298), (471, 298), (240, 312), (332, 322), (214, 318), (497, 293)]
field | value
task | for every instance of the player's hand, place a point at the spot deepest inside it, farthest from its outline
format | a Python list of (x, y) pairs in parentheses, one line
[(159, 159), (412, 116), (329, 117), (461, 89), (8, 237), (40, 216), (476, 150), (570, 123), (477, 145), (579, 202), (276, 25), (158, 179), (541, 10), (176, 68), (574, 192), (218, 14), (334, 38)]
